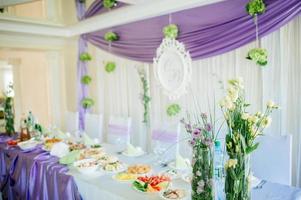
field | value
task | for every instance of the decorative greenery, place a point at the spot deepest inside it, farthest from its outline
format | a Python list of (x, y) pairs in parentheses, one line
[(82, 1), (171, 31), (243, 129), (85, 57), (173, 110), (9, 115), (109, 3), (255, 7), (258, 55), (111, 36), (202, 136), (86, 80), (110, 67), (87, 103), (144, 96)]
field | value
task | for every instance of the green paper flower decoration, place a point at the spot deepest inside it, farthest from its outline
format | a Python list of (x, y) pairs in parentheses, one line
[(259, 55), (85, 57), (110, 67), (171, 31), (111, 37), (87, 103), (255, 7), (108, 3), (173, 110), (86, 79)]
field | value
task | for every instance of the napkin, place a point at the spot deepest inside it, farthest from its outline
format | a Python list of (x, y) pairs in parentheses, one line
[(87, 140), (70, 158), (59, 149), (132, 150), (181, 163)]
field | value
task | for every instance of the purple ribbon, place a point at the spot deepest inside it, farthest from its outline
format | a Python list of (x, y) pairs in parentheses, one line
[(165, 136)]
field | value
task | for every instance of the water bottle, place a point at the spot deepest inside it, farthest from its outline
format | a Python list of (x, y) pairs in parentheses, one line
[(218, 170)]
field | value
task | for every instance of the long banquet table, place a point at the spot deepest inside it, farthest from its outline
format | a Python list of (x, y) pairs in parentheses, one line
[(37, 175)]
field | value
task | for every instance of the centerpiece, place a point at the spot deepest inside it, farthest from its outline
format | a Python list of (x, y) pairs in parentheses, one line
[(243, 129)]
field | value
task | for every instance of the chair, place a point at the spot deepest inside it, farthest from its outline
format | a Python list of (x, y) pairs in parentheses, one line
[(165, 140), (72, 122), (94, 126), (119, 129), (272, 161)]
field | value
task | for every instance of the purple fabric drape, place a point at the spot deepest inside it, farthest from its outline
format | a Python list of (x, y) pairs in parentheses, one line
[(81, 70), (206, 31), (34, 175)]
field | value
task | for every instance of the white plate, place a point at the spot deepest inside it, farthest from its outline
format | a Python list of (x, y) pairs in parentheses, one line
[(162, 197), (28, 144), (171, 175), (121, 169), (141, 153), (86, 170)]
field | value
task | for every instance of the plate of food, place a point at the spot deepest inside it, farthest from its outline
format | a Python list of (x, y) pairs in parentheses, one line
[(86, 166), (76, 146), (12, 142), (173, 194), (48, 144), (105, 159), (92, 153), (151, 184), (124, 177), (27, 145), (114, 167), (139, 169)]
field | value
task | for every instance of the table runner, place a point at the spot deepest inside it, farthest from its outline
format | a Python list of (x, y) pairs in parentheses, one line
[(34, 175)]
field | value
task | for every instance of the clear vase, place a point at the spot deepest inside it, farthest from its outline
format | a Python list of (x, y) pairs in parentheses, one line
[(237, 183), (203, 173)]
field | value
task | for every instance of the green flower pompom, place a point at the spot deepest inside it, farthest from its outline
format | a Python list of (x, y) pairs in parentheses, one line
[(111, 36), (255, 7), (110, 67), (108, 3), (86, 80), (85, 57), (171, 31), (259, 55), (173, 110), (87, 103)]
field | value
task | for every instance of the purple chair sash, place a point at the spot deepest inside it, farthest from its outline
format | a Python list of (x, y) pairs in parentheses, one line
[(118, 130), (165, 136)]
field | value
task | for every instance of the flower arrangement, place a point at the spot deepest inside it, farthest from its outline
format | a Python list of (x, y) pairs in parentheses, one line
[(85, 57), (173, 110), (110, 67), (255, 7), (111, 36), (171, 31), (109, 3), (145, 96), (243, 129), (86, 80), (9, 116), (258, 55), (87, 103), (202, 137)]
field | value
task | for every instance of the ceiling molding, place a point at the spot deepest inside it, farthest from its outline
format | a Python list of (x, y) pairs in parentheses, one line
[(5, 3), (137, 12)]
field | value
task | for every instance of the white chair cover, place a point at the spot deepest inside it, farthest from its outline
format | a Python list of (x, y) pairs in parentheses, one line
[(72, 122), (94, 126), (272, 161), (119, 129)]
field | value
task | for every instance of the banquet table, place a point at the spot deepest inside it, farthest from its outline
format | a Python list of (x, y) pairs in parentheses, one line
[(37, 175)]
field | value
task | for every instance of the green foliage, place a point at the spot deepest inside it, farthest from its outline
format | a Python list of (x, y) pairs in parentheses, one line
[(85, 57), (145, 96), (171, 31), (86, 80), (256, 7), (111, 36), (9, 116), (108, 3), (173, 110), (110, 67), (87, 103), (259, 56)]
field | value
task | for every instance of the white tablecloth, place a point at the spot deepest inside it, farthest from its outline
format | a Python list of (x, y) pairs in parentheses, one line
[(103, 186)]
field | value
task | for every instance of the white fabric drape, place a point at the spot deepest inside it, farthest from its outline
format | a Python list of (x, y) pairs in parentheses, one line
[(279, 81)]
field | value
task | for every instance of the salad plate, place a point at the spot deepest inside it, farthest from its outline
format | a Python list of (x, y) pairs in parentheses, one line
[(151, 184), (173, 194)]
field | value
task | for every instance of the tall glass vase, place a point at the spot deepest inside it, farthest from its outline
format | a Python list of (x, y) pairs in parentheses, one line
[(203, 173), (237, 183)]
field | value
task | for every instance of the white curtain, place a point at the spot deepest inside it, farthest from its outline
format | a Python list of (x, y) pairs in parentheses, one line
[(278, 81)]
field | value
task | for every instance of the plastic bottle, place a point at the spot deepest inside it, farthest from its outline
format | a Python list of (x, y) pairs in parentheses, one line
[(218, 170)]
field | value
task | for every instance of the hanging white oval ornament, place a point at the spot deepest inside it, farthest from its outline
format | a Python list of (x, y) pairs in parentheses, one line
[(173, 68)]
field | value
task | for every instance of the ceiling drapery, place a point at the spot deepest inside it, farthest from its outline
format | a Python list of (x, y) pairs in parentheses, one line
[(206, 31)]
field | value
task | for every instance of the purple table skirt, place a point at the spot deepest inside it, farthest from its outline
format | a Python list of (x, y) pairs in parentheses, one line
[(33, 175)]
